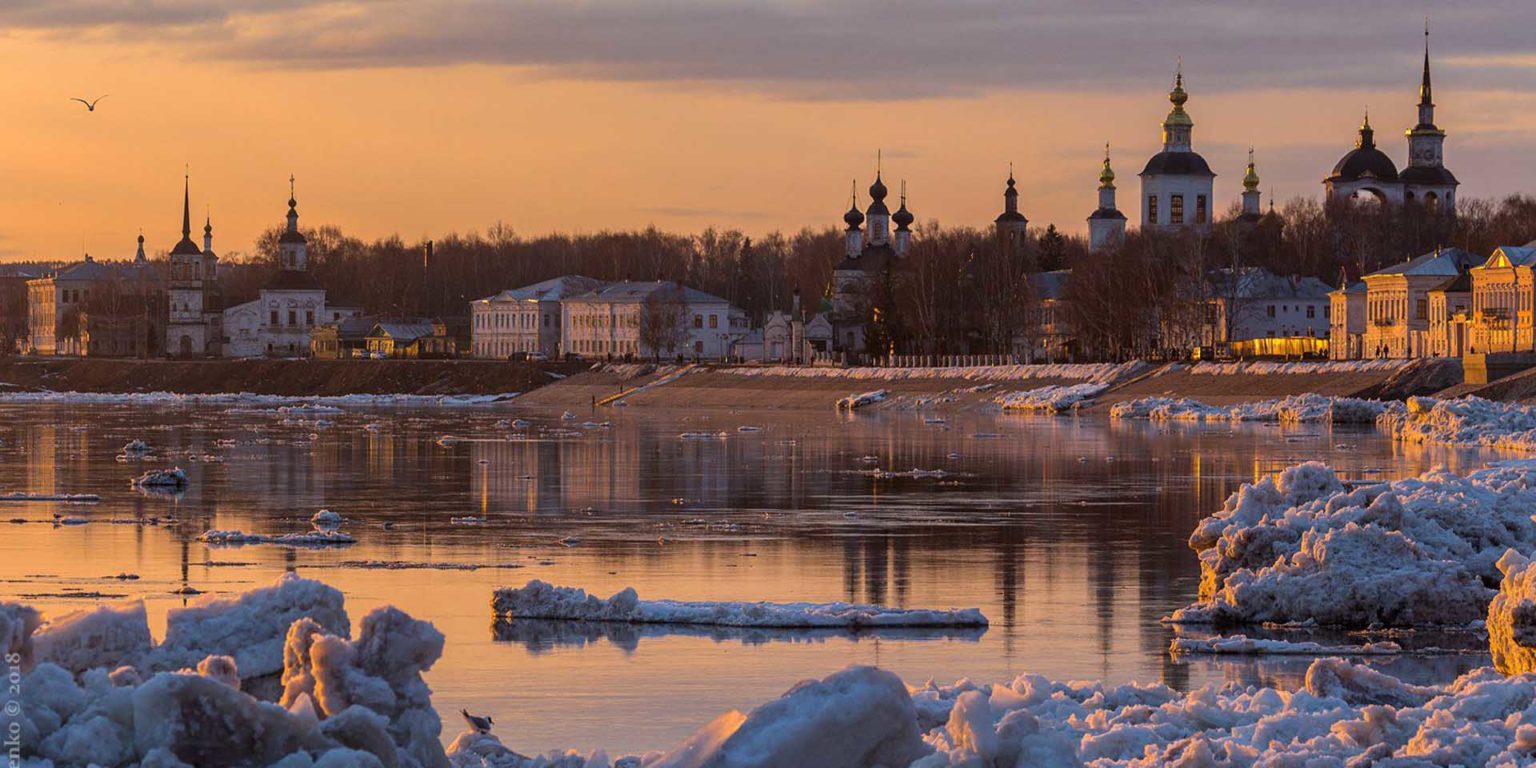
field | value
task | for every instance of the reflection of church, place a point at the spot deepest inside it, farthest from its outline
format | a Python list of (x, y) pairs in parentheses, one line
[(1367, 172)]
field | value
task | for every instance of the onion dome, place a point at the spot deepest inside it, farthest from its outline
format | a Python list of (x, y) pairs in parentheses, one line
[(853, 218), (1178, 116), (1106, 176), (903, 218), (1251, 177), (1365, 160)]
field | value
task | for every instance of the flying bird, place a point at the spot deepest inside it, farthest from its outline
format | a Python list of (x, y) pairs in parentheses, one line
[(90, 106), (476, 723)]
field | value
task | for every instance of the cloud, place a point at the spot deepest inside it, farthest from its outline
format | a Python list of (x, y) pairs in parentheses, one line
[(862, 49)]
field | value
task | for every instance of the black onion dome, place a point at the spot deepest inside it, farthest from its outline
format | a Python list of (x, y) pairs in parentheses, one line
[(1428, 175), (186, 248), (877, 190), (1177, 164), (903, 217), (1365, 163), (853, 218)]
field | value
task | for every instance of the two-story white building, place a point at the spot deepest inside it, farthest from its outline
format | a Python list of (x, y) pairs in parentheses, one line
[(524, 320), (608, 322), (1397, 302)]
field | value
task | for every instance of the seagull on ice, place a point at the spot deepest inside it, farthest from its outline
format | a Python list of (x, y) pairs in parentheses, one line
[(90, 106), (476, 723)]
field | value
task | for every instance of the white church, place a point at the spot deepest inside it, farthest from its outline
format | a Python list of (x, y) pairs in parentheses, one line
[(290, 306)]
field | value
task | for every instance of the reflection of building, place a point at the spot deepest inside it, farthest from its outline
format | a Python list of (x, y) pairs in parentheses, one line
[(1366, 173), (291, 305), (524, 320), (196, 325)]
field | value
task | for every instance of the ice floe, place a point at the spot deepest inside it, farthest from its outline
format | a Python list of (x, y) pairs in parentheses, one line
[(1242, 645), (1512, 616), (862, 399), (1467, 421), (320, 537), (1051, 399), (1295, 409), (68, 498), (540, 600), (1102, 373), (294, 404), (326, 519), (169, 480), (1302, 546)]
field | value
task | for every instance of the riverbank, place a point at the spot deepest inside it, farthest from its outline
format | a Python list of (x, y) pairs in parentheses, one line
[(292, 377), (788, 388)]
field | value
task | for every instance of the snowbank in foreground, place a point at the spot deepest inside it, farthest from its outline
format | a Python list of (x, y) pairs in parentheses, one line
[(1512, 616), (248, 399), (540, 600), (1299, 546), (1295, 409), (1051, 399), (1468, 421), (1101, 373)]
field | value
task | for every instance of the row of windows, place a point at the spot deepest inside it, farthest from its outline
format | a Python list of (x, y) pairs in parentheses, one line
[(1176, 209), (504, 320), (309, 317), (1287, 309)]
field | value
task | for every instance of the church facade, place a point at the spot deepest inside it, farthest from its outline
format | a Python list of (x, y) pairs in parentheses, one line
[(195, 327), (1176, 183), (868, 256)]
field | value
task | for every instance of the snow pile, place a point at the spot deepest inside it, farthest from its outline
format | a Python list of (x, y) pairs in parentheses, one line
[(320, 537), (540, 600), (1242, 645), (1051, 399), (1512, 616), (250, 628), (1271, 368), (860, 400), (1295, 409), (1470, 421), (173, 479), (1299, 546), (346, 703), (105, 636), (325, 519), (17, 623), (370, 688), (1098, 373)]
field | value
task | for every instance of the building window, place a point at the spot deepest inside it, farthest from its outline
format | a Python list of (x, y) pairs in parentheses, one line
[(309, 317), (274, 317), (1311, 312), (293, 317), (1176, 209), (698, 321), (714, 321), (1421, 310), (1270, 310), (1199, 209), (1151, 209)]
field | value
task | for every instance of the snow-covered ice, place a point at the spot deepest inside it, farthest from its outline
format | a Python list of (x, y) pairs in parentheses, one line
[(319, 537), (540, 600), (173, 479), (861, 399), (1101, 373), (326, 519), (1466, 421), (1052, 399), (1512, 616), (1301, 546), (1294, 409), (1242, 645), (277, 403), (68, 498)]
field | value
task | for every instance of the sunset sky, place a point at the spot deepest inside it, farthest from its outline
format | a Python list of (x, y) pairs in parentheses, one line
[(423, 117)]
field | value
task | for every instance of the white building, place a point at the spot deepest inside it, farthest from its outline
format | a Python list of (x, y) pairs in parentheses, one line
[(1261, 313), (1397, 302), (1346, 321), (607, 322), (524, 320), (291, 304), (1106, 225), (195, 324), (1176, 183)]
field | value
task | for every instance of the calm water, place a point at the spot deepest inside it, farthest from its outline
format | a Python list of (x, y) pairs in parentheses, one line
[(1068, 533)]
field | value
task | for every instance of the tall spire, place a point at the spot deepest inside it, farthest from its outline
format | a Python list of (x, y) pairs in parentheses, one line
[(1425, 92), (186, 206), (1178, 127)]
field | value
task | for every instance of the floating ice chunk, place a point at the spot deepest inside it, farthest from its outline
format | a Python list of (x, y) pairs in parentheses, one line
[(1417, 551), (251, 628), (1295, 409), (853, 402), (467, 520), (1051, 399), (136, 449), (173, 479), (315, 538), (106, 636), (1243, 645), (68, 498), (326, 519), (860, 716), (745, 428), (539, 600), (703, 436), (567, 416)]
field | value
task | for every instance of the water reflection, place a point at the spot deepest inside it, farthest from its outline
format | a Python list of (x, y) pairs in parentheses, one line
[(1068, 533), (540, 636)]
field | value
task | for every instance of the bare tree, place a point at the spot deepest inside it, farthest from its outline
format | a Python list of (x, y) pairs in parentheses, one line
[(663, 322)]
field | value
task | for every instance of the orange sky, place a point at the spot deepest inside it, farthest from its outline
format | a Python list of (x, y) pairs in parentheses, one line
[(425, 148)]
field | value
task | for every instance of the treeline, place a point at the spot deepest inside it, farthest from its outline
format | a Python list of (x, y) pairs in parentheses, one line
[(957, 292)]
